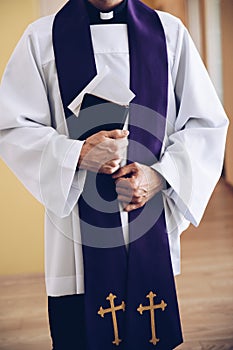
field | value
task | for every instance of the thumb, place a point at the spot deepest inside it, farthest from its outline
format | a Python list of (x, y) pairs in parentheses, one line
[(116, 134), (124, 171)]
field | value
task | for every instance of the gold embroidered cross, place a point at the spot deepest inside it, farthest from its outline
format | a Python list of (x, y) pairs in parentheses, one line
[(113, 310), (152, 307)]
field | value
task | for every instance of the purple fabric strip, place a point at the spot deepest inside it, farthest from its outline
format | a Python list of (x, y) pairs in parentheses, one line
[(108, 268), (72, 42)]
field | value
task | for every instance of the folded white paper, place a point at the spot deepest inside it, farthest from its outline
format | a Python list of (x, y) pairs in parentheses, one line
[(106, 85)]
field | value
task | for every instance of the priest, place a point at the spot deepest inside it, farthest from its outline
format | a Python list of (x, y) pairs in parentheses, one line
[(116, 201)]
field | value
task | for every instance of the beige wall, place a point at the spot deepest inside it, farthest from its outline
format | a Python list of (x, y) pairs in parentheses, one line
[(176, 7), (21, 217), (48, 7)]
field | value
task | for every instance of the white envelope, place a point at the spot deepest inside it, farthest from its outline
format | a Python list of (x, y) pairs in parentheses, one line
[(106, 85)]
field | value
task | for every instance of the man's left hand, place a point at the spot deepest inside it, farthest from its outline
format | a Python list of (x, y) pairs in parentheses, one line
[(136, 184)]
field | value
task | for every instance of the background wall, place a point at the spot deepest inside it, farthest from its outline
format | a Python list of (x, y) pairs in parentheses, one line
[(21, 217), (177, 8), (48, 7)]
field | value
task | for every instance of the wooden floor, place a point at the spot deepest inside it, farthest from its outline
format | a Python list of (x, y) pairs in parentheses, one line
[(205, 289)]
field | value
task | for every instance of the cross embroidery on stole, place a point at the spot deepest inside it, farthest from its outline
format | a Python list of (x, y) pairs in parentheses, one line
[(113, 310), (152, 307)]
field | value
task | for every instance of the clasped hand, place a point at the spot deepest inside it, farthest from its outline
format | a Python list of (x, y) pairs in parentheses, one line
[(135, 183)]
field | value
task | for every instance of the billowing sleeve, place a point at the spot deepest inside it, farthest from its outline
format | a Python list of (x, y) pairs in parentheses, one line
[(193, 157), (42, 159)]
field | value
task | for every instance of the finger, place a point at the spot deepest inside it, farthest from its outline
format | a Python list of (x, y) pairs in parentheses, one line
[(109, 170), (124, 171), (121, 143), (113, 163), (117, 133), (129, 197), (124, 204), (132, 200), (124, 191), (113, 146), (131, 207), (124, 183), (125, 198)]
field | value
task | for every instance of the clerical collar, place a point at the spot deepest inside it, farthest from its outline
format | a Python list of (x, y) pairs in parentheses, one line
[(117, 15)]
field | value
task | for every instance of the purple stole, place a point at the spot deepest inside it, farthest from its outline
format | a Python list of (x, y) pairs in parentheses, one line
[(130, 297)]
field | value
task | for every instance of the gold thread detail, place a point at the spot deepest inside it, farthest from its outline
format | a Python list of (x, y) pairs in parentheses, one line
[(152, 307), (113, 310)]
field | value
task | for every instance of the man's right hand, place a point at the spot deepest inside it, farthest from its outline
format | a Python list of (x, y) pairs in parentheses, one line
[(104, 151)]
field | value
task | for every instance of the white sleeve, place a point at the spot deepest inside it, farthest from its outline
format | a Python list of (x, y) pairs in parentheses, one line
[(193, 158), (43, 160)]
